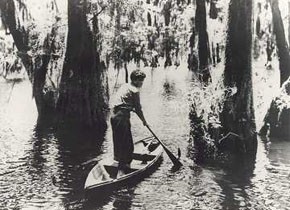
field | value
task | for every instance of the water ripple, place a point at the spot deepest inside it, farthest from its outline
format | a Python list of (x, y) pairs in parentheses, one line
[(40, 171)]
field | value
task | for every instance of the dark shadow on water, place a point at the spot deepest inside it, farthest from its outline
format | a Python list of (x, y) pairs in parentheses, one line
[(76, 147), (14, 80), (169, 89), (121, 199), (232, 172), (71, 148), (278, 150), (97, 199), (175, 168), (36, 159), (234, 180)]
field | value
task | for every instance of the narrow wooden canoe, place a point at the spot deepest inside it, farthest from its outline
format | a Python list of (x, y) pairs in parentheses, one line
[(106, 176)]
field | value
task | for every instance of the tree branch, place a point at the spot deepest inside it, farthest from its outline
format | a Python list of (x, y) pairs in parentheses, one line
[(96, 14)]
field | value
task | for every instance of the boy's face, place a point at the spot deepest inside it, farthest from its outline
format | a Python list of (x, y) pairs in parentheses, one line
[(137, 83)]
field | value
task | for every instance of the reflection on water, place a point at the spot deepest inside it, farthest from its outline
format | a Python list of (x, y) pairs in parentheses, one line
[(169, 89), (74, 149), (44, 169), (123, 200), (234, 182)]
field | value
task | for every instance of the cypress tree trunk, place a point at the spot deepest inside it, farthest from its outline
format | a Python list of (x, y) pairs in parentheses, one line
[(238, 114), (118, 39), (258, 21), (19, 34), (218, 58), (126, 73), (282, 46), (79, 96), (203, 43), (149, 19), (213, 10), (38, 83), (167, 43), (278, 116), (288, 23), (36, 70), (167, 12), (102, 76), (192, 59), (155, 3)]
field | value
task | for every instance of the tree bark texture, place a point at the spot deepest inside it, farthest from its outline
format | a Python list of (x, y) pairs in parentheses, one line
[(213, 13), (149, 20), (238, 114), (277, 119), (118, 39), (202, 149), (192, 61), (168, 46), (288, 23), (203, 43), (156, 2), (103, 86), (19, 34), (167, 12), (282, 46), (36, 68), (80, 101)]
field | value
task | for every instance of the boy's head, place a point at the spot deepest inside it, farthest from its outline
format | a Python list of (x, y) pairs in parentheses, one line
[(137, 77)]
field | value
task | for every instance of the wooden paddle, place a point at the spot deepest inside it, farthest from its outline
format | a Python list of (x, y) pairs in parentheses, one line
[(174, 160)]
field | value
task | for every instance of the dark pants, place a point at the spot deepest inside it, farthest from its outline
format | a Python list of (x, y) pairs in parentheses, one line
[(122, 136)]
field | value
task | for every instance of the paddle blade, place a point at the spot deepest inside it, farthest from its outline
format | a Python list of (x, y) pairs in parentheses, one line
[(174, 160)]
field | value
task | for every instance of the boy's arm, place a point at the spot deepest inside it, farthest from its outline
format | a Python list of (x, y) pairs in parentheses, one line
[(138, 108)]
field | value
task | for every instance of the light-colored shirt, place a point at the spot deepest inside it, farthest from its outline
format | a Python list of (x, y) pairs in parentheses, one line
[(128, 98)]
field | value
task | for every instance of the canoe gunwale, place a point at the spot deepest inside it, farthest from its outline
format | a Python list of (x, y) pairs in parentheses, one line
[(128, 176)]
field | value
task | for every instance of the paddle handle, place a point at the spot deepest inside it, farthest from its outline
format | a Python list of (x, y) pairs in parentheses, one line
[(155, 135)]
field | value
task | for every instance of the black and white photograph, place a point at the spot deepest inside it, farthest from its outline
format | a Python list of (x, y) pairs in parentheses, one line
[(144, 104)]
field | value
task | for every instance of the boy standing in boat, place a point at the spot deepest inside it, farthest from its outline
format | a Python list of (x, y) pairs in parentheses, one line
[(127, 99)]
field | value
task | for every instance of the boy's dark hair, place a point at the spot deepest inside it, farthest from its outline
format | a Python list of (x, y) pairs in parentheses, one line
[(137, 75)]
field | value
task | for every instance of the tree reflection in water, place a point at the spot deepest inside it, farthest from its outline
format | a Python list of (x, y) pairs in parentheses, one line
[(65, 155)]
